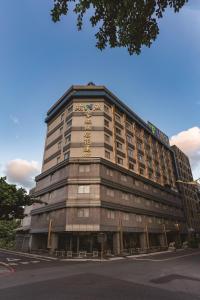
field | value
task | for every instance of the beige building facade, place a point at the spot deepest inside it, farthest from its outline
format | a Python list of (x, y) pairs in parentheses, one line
[(188, 192), (105, 173)]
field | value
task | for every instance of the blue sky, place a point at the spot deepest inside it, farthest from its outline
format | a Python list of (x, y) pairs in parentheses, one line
[(39, 60)]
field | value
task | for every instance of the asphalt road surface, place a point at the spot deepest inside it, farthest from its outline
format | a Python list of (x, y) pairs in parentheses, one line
[(171, 276)]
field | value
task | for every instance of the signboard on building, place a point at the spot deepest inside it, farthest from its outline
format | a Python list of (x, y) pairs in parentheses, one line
[(158, 133)]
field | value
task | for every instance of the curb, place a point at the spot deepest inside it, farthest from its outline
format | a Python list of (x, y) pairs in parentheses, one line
[(29, 254)]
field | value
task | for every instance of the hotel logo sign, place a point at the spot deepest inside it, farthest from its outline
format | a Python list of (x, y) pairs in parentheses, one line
[(87, 109)]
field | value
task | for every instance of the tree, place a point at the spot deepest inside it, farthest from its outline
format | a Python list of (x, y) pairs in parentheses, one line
[(13, 200), (123, 23)]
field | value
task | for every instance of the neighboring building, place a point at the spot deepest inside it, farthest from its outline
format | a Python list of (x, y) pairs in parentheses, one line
[(188, 191), (104, 171)]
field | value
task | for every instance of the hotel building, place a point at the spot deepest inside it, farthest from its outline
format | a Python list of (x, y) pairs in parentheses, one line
[(105, 173), (188, 192)]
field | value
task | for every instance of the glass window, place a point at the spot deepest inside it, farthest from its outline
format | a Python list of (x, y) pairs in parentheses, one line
[(59, 145), (66, 155), (125, 216), (62, 116), (117, 118), (68, 139), (83, 212), (110, 192), (107, 138), (138, 218), (129, 138), (118, 131), (106, 123), (106, 108), (70, 109), (130, 152), (109, 172), (124, 178), (69, 123), (120, 160), (107, 154), (83, 189), (119, 145), (110, 214)]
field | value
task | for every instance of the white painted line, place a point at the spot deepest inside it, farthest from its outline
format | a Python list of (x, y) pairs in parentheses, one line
[(24, 262), (34, 261), (170, 258), (116, 258), (12, 259), (13, 264)]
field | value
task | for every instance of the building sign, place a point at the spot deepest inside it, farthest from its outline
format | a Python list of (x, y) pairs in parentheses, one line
[(158, 133), (87, 109)]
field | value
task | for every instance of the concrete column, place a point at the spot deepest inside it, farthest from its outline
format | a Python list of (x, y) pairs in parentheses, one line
[(162, 240), (143, 240), (54, 242), (116, 243)]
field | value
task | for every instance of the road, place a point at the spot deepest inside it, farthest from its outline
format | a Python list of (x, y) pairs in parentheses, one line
[(171, 276)]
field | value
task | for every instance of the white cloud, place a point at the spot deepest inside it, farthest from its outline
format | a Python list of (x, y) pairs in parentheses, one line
[(22, 172), (14, 119), (189, 142)]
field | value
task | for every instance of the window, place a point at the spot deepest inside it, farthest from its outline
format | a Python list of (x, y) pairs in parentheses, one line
[(106, 123), (68, 139), (119, 145), (109, 172), (141, 170), (140, 157), (128, 126), (110, 214), (117, 118), (118, 131), (124, 178), (59, 145), (83, 189), (107, 154), (131, 166), (84, 168), (58, 159), (125, 196), (150, 220), (138, 218), (129, 138), (70, 109), (69, 123), (107, 138), (83, 212), (149, 163), (137, 199), (120, 160), (110, 192), (61, 130), (139, 145), (62, 116), (125, 216), (106, 108), (66, 155), (130, 152), (150, 175)]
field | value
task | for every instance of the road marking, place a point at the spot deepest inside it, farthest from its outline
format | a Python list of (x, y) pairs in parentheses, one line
[(34, 261), (13, 259), (12, 264), (165, 259), (24, 262)]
